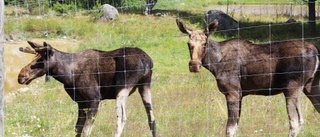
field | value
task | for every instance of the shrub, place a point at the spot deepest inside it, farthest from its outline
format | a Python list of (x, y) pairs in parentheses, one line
[(35, 7), (64, 8)]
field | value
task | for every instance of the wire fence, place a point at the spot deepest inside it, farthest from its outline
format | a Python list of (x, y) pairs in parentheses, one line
[(184, 103)]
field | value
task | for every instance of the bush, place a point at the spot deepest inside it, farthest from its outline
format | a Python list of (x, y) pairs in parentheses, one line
[(133, 4), (230, 2), (97, 13), (64, 8), (34, 7)]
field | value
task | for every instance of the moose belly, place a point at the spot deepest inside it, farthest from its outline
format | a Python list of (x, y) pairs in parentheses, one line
[(108, 92), (257, 77), (259, 84)]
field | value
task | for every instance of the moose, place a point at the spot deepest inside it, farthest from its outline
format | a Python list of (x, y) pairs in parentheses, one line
[(243, 68), (91, 76)]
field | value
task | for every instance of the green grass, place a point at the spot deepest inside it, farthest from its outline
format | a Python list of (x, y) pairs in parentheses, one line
[(185, 104)]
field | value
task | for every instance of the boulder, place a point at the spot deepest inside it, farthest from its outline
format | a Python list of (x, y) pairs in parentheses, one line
[(109, 13), (291, 21), (226, 23)]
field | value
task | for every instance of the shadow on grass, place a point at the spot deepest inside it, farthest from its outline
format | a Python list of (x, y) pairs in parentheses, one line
[(254, 31), (192, 17), (262, 32)]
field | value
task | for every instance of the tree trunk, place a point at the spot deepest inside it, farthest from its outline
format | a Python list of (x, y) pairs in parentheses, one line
[(312, 17), (1, 68)]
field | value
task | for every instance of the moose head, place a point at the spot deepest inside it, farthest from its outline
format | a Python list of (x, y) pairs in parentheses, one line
[(197, 42), (39, 66)]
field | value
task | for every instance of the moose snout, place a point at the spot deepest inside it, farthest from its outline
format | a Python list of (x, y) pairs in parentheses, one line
[(22, 79), (194, 65)]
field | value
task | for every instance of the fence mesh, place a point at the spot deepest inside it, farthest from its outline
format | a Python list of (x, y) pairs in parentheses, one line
[(184, 104)]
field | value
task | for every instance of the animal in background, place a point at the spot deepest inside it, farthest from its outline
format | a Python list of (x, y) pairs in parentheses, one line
[(149, 5)]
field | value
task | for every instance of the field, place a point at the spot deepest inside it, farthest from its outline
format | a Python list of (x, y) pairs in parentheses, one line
[(185, 104)]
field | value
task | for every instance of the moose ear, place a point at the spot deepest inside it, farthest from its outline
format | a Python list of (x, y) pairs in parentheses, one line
[(183, 27), (33, 45), (48, 46), (43, 50), (46, 49), (212, 26)]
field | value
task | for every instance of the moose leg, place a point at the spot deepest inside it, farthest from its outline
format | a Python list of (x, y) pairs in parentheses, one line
[(86, 113), (145, 93), (81, 118), (312, 91), (121, 100), (294, 110), (234, 105), (91, 114)]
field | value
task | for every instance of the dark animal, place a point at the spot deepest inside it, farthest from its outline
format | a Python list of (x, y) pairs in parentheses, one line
[(150, 4), (242, 68), (91, 76)]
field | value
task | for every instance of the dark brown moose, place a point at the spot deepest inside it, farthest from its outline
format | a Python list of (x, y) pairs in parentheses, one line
[(242, 68), (91, 76)]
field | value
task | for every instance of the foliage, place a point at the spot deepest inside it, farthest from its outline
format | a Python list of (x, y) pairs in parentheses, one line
[(97, 12), (228, 2), (64, 8), (38, 7), (34, 7), (85, 4)]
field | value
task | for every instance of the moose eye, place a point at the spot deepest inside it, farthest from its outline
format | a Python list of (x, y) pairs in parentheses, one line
[(190, 46)]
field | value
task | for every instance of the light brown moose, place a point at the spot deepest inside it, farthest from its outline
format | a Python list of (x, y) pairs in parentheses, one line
[(91, 76), (242, 68)]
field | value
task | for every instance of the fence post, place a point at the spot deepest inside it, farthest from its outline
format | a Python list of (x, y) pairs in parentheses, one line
[(312, 17), (1, 68)]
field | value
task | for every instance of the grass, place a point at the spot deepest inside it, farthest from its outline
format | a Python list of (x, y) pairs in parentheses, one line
[(185, 104)]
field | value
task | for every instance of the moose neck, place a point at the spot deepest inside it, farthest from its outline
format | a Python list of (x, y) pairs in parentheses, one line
[(212, 56), (60, 66)]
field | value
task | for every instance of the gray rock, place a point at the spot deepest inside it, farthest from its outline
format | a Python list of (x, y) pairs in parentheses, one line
[(291, 21), (109, 13), (226, 23)]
